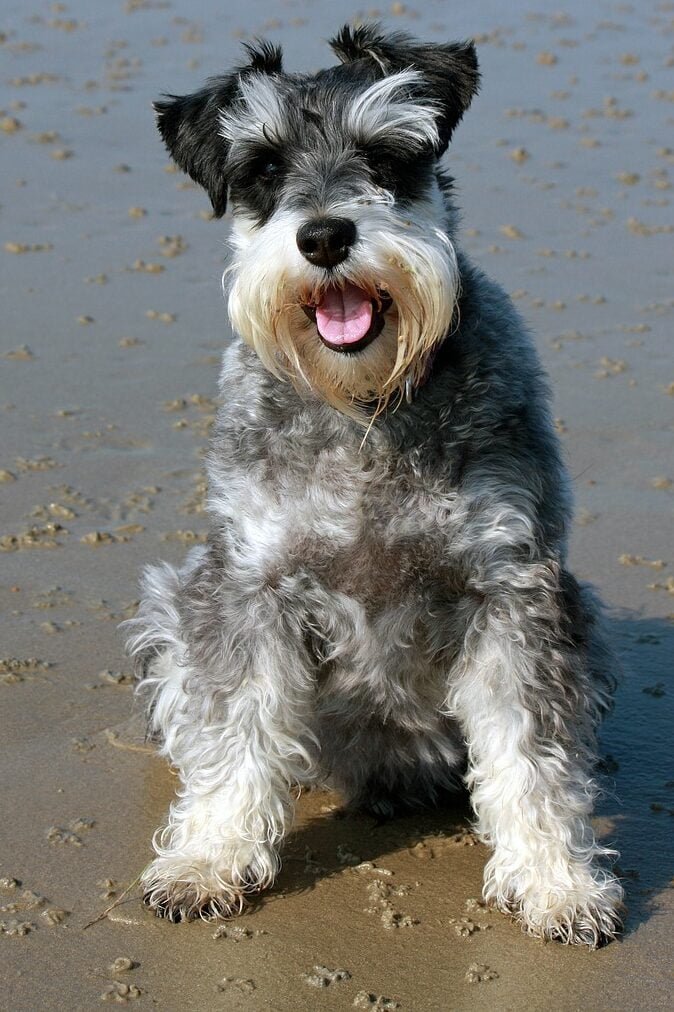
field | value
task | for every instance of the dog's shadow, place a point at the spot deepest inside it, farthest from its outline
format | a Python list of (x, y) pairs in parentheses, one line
[(634, 813), (636, 746), (331, 838)]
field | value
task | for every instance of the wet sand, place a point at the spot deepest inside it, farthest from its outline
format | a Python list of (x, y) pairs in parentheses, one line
[(112, 326)]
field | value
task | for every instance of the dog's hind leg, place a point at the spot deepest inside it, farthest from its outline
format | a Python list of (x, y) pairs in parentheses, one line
[(230, 705)]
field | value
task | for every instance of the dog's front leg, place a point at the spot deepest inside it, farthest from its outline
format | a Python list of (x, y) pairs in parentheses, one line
[(527, 705), (238, 732)]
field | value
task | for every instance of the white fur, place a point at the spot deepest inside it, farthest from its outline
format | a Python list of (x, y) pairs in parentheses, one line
[(534, 812), (532, 798), (389, 107), (259, 110), (234, 804), (406, 253), (280, 652)]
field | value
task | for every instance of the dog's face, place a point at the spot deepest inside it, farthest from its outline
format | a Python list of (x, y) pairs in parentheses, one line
[(344, 277)]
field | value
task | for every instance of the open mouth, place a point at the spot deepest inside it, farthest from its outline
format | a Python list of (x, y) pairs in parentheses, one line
[(347, 318)]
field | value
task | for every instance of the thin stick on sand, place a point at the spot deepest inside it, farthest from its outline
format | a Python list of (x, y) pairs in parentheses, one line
[(116, 903)]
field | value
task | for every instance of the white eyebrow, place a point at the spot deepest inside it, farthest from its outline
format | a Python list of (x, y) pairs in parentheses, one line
[(259, 111), (387, 106)]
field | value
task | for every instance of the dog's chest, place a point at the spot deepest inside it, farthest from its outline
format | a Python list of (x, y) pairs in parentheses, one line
[(375, 530)]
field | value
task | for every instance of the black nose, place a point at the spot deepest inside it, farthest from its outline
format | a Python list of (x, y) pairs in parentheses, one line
[(325, 242)]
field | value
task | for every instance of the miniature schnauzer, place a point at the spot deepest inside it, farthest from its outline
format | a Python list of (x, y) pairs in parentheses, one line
[(383, 602)]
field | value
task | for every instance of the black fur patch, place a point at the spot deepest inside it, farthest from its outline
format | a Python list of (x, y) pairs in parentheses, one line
[(256, 173), (407, 178), (189, 126), (189, 123), (264, 57)]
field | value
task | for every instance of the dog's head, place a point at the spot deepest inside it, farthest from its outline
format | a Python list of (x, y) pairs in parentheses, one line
[(344, 278)]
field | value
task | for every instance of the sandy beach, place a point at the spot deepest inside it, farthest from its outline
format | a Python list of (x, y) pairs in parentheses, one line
[(112, 328)]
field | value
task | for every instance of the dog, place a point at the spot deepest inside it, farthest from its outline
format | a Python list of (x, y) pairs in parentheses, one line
[(383, 602)]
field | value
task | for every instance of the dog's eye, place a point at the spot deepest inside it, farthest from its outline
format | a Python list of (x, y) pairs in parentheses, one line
[(271, 168), (405, 174)]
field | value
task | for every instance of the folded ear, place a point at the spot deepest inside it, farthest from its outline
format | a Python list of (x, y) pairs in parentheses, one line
[(189, 124), (450, 70)]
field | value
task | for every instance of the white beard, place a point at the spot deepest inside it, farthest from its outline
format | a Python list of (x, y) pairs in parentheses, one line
[(405, 255)]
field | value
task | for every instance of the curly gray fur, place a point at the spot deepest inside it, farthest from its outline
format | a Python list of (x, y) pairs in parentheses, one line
[(383, 611)]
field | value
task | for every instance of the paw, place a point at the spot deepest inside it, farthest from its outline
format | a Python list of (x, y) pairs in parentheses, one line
[(571, 919), (182, 890), (586, 910)]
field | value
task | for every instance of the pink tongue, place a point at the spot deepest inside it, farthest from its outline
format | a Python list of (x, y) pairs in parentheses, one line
[(344, 315)]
